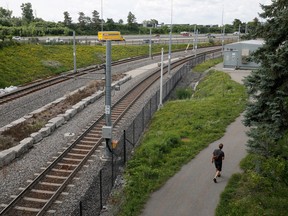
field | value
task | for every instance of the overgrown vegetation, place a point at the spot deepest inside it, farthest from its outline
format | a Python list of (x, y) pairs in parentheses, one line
[(260, 190), (207, 64), (184, 93), (178, 132), (263, 187)]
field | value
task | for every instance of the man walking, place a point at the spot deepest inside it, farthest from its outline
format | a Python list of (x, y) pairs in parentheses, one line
[(217, 158)]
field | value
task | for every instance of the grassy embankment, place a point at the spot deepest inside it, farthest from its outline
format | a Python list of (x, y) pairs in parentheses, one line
[(178, 132), (24, 63), (253, 194)]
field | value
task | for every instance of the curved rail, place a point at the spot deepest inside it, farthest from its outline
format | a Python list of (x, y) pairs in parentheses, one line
[(36, 86), (40, 194)]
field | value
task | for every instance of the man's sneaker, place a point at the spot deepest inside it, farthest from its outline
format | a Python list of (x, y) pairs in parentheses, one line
[(214, 179)]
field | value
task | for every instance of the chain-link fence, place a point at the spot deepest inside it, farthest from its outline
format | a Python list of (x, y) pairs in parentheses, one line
[(93, 201)]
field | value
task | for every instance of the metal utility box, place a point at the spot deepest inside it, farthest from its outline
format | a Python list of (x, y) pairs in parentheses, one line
[(107, 132), (236, 54)]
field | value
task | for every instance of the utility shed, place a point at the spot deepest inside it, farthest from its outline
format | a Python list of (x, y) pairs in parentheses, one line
[(236, 54)]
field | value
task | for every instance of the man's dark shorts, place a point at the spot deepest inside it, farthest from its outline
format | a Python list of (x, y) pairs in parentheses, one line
[(218, 165)]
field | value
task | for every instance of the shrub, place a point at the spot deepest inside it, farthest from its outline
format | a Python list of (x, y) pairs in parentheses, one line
[(184, 93), (6, 142)]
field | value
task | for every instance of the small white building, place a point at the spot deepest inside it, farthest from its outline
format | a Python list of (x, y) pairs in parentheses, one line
[(236, 54)]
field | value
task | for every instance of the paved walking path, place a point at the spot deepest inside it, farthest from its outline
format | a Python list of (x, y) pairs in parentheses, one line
[(192, 192)]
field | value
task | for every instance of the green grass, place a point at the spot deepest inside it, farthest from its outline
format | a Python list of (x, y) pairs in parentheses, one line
[(178, 132), (256, 192), (206, 65), (23, 63)]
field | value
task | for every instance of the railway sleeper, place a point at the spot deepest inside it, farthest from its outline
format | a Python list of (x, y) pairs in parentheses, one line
[(77, 154), (62, 170), (31, 203), (87, 142), (19, 210), (82, 150), (92, 138), (47, 187), (65, 166), (83, 146), (56, 177)]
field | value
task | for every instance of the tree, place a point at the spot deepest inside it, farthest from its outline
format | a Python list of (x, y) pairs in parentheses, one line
[(96, 21), (120, 21), (236, 24), (131, 19), (84, 21), (5, 17), (252, 26), (267, 111), (6, 14), (27, 12), (131, 22), (67, 19), (110, 24), (154, 22)]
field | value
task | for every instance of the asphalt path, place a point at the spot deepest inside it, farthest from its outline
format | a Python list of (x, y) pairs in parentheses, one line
[(192, 192)]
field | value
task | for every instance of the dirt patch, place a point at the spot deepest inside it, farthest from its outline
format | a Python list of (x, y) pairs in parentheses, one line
[(15, 134)]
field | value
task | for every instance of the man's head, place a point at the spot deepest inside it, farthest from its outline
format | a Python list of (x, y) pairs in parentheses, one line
[(220, 145)]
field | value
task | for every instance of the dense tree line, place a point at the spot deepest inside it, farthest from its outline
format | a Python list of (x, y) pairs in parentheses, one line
[(267, 111), (28, 25)]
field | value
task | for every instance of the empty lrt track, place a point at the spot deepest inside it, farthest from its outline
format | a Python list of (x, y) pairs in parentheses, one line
[(36, 86), (43, 191)]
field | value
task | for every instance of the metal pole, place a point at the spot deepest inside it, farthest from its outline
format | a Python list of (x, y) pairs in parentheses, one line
[(239, 33), (196, 46), (246, 29), (194, 39), (81, 208), (101, 191), (223, 40), (222, 31), (161, 81), (108, 84), (102, 15), (150, 44), (125, 147), (112, 170), (108, 91), (74, 52), (170, 41)]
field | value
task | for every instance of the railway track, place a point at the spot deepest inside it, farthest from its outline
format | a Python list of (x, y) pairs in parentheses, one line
[(36, 86), (43, 191)]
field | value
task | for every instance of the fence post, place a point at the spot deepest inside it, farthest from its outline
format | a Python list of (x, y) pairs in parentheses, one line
[(112, 169), (80, 205), (124, 147), (101, 191), (133, 129)]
